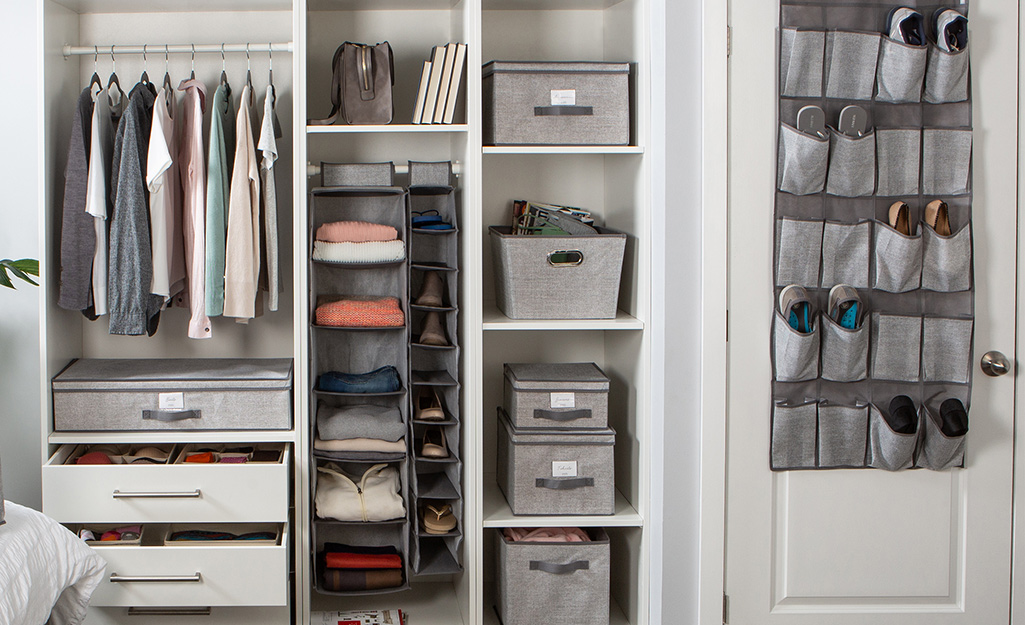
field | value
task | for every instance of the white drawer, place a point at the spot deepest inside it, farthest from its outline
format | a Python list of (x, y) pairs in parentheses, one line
[(194, 574), (188, 616), (142, 493)]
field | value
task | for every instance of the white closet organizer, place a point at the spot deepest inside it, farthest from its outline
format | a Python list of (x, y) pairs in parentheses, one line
[(614, 182)]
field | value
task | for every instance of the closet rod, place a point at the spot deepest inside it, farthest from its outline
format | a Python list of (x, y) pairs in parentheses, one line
[(157, 50), (314, 170)]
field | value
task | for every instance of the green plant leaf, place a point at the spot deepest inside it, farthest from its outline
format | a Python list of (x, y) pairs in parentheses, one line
[(4, 279), (21, 270), (28, 265)]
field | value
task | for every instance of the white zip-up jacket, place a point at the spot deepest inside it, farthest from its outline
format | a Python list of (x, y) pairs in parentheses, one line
[(374, 496)]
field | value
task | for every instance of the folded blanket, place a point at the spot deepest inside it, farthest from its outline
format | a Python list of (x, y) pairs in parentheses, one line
[(547, 535), (361, 312), (334, 560), (355, 232), (342, 580), (361, 444), (369, 252), (359, 421)]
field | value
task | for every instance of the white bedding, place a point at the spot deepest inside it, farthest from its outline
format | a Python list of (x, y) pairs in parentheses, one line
[(46, 572)]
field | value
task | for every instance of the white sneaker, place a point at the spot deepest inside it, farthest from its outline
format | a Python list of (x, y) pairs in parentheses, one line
[(951, 30), (906, 26)]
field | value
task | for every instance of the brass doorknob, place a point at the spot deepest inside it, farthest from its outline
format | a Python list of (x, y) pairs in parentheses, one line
[(995, 364)]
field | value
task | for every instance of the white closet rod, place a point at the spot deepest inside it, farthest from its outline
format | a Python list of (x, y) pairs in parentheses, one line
[(314, 170), (177, 49)]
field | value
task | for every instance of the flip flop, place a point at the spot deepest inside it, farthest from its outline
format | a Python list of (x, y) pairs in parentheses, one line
[(439, 520)]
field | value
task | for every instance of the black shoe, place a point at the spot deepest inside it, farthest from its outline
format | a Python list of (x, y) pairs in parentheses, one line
[(903, 417), (953, 418)]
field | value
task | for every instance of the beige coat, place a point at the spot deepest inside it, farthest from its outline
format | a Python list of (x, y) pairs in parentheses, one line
[(242, 250)]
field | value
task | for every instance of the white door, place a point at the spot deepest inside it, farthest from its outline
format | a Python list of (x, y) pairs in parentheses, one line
[(859, 547)]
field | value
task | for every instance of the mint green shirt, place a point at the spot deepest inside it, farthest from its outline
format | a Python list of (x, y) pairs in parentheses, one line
[(218, 185)]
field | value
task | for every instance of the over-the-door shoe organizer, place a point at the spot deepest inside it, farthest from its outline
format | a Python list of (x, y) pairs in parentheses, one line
[(832, 386)]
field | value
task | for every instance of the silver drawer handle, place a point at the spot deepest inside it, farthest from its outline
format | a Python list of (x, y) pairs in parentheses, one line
[(189, 495), (154, 579)]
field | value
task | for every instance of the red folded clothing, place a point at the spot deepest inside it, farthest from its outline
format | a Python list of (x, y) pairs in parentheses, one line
[(361, 313), (362, 561)]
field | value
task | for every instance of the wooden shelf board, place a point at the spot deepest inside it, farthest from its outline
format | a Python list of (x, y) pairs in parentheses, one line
[(494, 319), (498, 514)]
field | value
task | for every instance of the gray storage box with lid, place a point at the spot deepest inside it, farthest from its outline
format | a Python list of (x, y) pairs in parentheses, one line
[(562, 103), (554, 472), (557, 395), (553, 583), (557, 277), (173, 394)]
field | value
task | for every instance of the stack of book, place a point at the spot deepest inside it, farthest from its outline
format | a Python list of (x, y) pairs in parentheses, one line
[(439, 85)]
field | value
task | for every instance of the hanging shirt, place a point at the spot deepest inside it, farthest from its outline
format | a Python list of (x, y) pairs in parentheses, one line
[(222, 126), (269, 147), (78, 240), (107, 107), (242, 250), (166, 239), (133, 309), (193, 180)]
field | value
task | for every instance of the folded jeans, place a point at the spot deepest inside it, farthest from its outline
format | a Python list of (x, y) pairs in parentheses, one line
[(382, 380)]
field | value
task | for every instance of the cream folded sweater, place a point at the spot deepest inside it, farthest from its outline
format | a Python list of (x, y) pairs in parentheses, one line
[(366, 252)]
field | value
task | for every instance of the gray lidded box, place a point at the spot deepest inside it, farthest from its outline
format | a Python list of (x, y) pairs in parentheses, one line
[(557, 277), (173, 394), (557, 395), (556, 472), (556, 103), (553, 583)]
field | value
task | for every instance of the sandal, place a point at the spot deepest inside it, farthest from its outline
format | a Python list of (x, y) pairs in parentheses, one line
[(938, 217), (438, 520), (434, 445), (428, 405), (900, 219)]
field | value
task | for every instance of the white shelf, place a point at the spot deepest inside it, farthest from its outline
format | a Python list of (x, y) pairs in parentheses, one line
[(498, 514), (432, 603), (173, 6), (495, 320), (381, 5), (552, 5), (616, 616), (563, 149), (173, 436), (374, 128)]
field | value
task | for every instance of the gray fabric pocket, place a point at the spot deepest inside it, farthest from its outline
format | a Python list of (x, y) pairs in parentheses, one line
[(800, 62), (842, 434), (898, 155), (946, 349), (937, 450), (946, 161), (898, 260), (845, 254), (795, 355), (851, 64), (896, 345), (901, 71), (793, 436), (844, 354), (800, 250), (801, 161), (947, 261), (852, 165), (946, 77), (887, 449)]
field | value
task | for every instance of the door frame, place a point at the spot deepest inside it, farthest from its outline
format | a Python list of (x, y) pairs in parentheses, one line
[(1017, 506)]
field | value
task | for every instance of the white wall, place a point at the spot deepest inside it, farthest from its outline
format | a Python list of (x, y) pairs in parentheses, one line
[(19, 238)]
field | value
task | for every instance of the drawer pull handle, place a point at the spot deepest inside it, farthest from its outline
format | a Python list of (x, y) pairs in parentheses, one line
[(168, 611), (189, 495), (154, 579)]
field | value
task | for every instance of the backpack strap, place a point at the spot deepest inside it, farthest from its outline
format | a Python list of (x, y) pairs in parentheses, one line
[(336, 90)]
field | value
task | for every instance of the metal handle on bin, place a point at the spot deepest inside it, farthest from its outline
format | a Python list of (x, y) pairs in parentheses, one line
[(544, 111), (562, 415), (171, 415), (154, 579), (560, 569), (576, 255), (196, 494), (563, 484)]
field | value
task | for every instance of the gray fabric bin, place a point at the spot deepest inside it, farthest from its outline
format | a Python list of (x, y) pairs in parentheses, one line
[(555, 472), (557, 396), (946, 77), (357, 174), (173, 394), (553, 583), (531, 283), (556, 103)]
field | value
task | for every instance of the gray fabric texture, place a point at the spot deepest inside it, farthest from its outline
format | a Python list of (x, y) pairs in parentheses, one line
[(844, 352), (900, 72), (845, 254), (270, 273), (360, 421), (887, 449), (793, 436), (852, 165), (898, 260), (795, 355), (800, 250), (221, 159), (937, 451), (947, 261), (528, 595), (851, 64), (946, 78), (430, 174), (842, 434), (898, 155), (357, 174), (78, 234), (801, 161), (133, 309), (896, 347), (800, 62), (946, 161), (946, 349)]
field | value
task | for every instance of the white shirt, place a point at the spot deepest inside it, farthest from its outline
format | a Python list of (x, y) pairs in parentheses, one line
[(242, 249), (97, 196), (268, 145), (166, 240)]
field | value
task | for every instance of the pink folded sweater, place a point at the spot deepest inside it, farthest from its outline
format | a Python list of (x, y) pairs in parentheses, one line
[(547, 535), (355, 232)]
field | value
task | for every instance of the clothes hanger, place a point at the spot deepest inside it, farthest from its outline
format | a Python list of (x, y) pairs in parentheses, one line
[(144, 79), (95, 80), (113, 73), (224, 74), (249, 76), (273, 91), (193, 76), (167, 72)]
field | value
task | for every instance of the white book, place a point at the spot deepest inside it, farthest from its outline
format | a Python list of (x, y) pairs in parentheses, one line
[(437, 65), (453, 90), (446, 79), (421, 93)]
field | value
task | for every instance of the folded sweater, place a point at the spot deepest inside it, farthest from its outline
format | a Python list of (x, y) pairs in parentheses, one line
[(546, 535), (355, 232), (359, 421), (361, 312), (353, 580), (361, 444), (334, 560), (368, 252)]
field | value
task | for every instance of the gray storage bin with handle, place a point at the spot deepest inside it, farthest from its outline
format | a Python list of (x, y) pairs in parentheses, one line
[(553, 472), (173, 394), (558, 395), (557, 277), (553, 583), (562, 103)]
